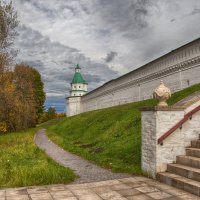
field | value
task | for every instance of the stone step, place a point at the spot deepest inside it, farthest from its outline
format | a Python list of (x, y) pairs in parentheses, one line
[(180, 182), (195, 144), (195, 152), (188, 161), (186, 171)]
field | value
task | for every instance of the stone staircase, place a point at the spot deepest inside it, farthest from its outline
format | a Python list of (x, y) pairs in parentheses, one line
[(185, 173)]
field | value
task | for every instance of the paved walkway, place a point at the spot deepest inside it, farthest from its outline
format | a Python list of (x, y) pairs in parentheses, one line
[(132, 188), (87, 171)]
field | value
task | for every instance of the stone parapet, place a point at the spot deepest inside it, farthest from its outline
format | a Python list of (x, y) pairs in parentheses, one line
[(164, 108), (156, 122)]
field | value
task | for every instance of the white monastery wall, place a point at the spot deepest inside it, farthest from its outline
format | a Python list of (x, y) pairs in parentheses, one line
[(178, 69), (73, 105)]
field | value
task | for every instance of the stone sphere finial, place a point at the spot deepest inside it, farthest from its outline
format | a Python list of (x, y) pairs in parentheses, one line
[(162, 93)]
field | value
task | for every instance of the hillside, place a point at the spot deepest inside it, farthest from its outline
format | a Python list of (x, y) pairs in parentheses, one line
[(109, 137)]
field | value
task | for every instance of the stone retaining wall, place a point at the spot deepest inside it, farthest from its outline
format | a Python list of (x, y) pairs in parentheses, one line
[(155, 123)]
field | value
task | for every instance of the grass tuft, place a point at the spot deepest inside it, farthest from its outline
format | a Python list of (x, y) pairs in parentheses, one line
[(22, 163)]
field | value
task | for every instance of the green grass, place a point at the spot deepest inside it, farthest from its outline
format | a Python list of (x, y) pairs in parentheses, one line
[(109, 137), (24, 164)]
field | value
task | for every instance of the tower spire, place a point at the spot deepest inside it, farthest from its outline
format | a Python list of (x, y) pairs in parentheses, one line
[(78, 84), (77, 66)]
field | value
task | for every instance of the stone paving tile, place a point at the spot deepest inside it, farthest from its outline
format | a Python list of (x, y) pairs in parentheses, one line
[(173, 198), (118, 198), (147, 189), (89, 197), (134, 185), (139, 197), (157, 184), (16, 191), (105, 190), (61, 194), (41, 196), (33, 190), (110, 195), (103, 183), (189, 197), (2, 193), (141, 178), (128, 180), (77, 186), (56, 188), (81, 192), (101, 190), (67, 198), (159, 195), (18, 197), (176, 191), (129, 192), (119, 187)]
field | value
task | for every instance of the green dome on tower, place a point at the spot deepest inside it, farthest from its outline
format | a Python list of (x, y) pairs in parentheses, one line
[(77, 66), (77, 76)]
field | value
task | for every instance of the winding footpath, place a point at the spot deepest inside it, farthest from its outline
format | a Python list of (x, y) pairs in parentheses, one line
[(87, 171), (97, 183)]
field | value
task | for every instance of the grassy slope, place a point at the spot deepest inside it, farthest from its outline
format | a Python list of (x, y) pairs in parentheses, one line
[(23, 164), (110, 137)]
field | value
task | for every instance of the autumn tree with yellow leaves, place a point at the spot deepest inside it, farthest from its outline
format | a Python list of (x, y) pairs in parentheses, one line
[(21, 90)]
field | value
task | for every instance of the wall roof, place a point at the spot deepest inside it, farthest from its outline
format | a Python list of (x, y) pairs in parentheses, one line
[(143, 66)]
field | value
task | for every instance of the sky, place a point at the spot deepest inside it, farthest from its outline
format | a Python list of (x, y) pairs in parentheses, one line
[(108, 38)]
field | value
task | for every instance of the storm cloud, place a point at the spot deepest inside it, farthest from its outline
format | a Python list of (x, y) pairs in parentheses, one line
[(110, 56), (107, 38)]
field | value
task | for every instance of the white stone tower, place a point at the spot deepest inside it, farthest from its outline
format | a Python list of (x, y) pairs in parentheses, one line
[(78, 89), (78, 84)]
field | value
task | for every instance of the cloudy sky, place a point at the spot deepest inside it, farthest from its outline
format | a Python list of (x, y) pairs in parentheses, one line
[(107, 37)]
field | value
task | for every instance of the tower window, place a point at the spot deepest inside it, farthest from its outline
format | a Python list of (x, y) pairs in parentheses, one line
[(79, 86)]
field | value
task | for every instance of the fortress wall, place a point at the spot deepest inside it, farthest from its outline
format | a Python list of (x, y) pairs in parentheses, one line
[(178, 69)]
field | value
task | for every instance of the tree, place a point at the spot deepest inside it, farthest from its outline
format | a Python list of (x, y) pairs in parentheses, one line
[(8, 24), (51, 113), (30, 94), (25, 100), (7, 89), (39, 93), (22, 99), (22, 91)]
